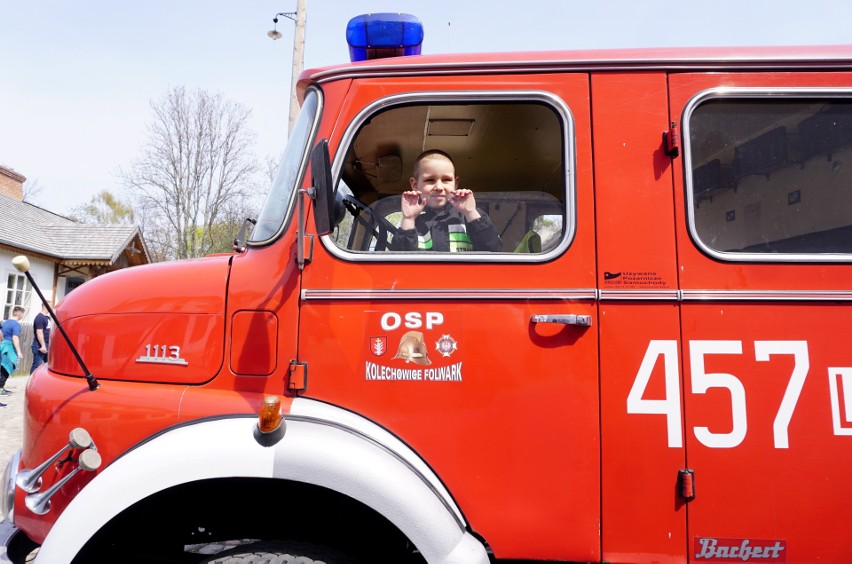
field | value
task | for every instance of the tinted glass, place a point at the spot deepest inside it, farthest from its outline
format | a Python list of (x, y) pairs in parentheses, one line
[(771, 176)]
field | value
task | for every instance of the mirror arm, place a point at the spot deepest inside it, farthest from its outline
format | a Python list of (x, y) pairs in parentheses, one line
[(302, 234)]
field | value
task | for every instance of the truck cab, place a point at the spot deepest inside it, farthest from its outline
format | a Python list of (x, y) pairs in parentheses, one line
[(652, 367)]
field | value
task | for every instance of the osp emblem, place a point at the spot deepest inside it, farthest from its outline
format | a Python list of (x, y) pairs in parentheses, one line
[(446, 345)]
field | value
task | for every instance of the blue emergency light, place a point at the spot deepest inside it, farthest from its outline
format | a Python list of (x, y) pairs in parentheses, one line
[(375, 36)]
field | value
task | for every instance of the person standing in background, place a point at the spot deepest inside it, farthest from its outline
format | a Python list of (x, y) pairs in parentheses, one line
[(41, 338), (10, 347)]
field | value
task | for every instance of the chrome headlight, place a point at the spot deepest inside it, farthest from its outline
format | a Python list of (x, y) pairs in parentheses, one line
[(7, 487)]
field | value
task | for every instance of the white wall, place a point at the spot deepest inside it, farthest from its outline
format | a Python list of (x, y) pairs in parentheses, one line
[(42, 273)]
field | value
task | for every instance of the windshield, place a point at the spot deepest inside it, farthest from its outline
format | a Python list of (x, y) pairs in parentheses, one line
[(279, 201)]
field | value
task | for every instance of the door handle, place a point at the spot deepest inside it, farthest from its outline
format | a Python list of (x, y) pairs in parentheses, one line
[(569, 319)]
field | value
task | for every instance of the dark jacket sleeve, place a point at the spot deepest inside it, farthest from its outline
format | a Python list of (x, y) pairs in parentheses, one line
[(404, 240), (483, 234)]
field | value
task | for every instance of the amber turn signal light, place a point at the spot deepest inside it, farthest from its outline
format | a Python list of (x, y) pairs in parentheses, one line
[(270, 426), (269, 416)]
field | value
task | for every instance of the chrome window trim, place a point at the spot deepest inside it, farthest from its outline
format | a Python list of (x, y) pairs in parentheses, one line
[(640, 295), (574, 295), (346, 294), (583, 63), (765, 295), (300, 177), (461, 96), (752, 93)]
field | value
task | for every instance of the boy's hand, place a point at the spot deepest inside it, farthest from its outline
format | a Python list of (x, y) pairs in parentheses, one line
[(412, 206), (465, 203)]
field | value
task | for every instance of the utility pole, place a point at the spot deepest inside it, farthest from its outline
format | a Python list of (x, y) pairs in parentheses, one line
[(299, 17), (298, 59)]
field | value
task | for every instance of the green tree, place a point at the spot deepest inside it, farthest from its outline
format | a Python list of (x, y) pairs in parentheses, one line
[(105, 208)]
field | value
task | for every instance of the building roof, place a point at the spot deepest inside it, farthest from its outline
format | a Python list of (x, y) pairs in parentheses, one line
[(31, 228)]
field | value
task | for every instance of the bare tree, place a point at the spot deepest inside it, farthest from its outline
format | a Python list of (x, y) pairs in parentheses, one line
[(104, 208), (270, 169), (197, 162), (31, 189), (155, 231)]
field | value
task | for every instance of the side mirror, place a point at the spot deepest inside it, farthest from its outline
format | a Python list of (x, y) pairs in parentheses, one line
[(321, 182)]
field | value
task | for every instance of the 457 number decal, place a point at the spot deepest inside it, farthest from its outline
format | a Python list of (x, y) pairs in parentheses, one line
[(840, 380)]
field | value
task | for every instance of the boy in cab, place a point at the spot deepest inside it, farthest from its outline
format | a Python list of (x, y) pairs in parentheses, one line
[(437, 216)]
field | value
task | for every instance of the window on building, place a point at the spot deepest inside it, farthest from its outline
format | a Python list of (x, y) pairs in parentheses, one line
[(18, 293), (770, 176), (512, 153), (72, 283)]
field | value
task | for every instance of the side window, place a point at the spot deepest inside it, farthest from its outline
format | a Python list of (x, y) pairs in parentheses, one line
[(768, 177), (18, 293), (510, 155)]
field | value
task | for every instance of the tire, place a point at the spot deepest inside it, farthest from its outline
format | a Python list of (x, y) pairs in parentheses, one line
[(279, 552)]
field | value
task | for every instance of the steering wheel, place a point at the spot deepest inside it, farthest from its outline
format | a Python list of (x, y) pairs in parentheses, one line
[(378, 226)]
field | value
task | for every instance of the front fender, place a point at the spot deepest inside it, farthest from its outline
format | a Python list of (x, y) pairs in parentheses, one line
[(323, 445)]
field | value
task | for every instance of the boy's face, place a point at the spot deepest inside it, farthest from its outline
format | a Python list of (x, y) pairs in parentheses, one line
[(435, 180)]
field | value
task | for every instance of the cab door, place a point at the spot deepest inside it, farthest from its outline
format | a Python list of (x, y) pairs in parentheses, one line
[(764, 258), (642, 445), (485, 364)]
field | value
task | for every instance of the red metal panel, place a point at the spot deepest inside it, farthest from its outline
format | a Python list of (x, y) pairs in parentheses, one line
[(509, 419), (118, 415), (766, 387), (697, 271), (254, 339), (643, 517), (633, 183), (764, 438), (145, 347)]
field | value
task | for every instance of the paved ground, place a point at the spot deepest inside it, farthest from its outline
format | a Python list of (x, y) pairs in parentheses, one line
[(11, 430), (12, 418)]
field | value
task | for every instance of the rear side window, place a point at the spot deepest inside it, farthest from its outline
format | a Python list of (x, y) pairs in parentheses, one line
[(769, 175), (512, 151)]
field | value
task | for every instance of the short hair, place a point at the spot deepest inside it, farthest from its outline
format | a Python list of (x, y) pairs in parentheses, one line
[(430, 154), (17, 309)]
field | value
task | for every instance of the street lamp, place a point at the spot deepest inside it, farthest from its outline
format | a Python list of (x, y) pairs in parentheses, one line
[(274, 33), (298, 17)]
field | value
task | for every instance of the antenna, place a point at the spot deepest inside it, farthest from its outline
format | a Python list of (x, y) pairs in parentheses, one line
[(22, 264)]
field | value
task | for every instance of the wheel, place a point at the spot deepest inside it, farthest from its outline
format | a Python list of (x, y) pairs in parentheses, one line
[(279, 552)]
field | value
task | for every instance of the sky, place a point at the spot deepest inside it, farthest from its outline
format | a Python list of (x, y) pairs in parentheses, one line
[(78, 78)]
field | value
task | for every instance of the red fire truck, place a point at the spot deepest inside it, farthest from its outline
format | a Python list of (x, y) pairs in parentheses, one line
[(655, 365)]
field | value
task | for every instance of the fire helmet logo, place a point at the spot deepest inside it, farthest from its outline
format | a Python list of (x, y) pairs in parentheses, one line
[(412, 348)]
